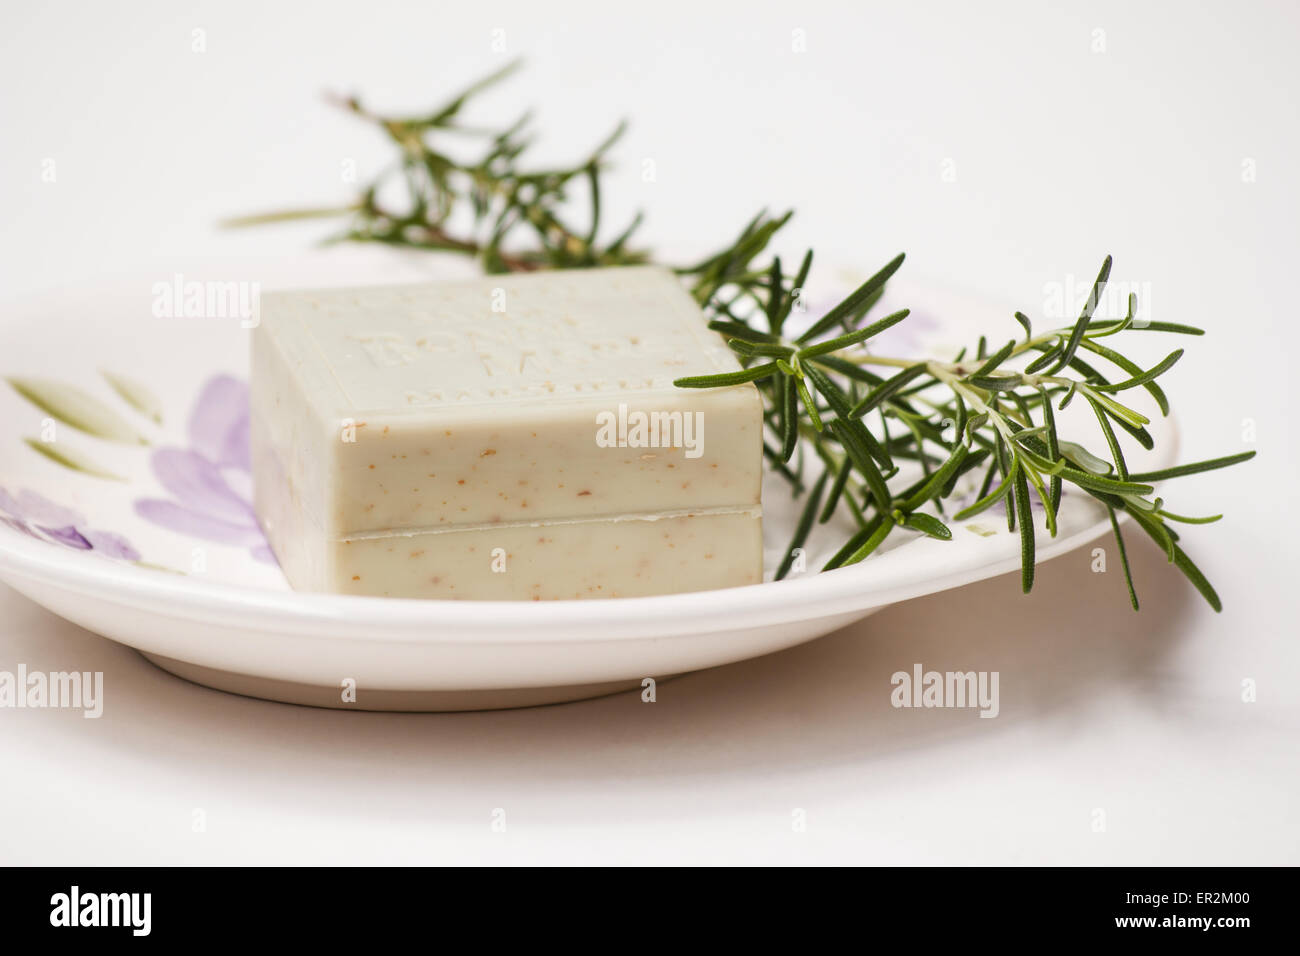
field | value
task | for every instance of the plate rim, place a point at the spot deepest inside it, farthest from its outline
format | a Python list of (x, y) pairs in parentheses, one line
[(830, 593)]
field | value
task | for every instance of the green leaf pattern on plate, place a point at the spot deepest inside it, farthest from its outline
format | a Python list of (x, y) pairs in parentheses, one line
[(78, 409), (136, 395), (71, 458)]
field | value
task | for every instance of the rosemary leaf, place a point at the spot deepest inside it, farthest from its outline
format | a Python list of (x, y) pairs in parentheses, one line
[(727, 378), (849, 305), (1193, 468), (1123, 557), (805, 524), (1026, 519)]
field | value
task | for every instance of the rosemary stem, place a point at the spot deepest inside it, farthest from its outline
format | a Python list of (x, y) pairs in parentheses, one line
[(972, 396), (866, 358)]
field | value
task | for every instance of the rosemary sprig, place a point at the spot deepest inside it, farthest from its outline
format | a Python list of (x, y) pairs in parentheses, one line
[(422, 198), (821, 387)]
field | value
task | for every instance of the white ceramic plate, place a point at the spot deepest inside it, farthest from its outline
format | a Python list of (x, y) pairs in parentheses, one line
[(164, 555)]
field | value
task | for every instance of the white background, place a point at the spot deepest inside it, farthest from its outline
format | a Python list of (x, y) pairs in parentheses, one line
[(1072, 131)]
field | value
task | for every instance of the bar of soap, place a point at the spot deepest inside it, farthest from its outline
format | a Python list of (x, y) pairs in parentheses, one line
[(506, 438)]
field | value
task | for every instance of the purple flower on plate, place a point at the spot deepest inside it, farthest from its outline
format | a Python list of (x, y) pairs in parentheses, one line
[(38, 517), (906, 339), (210, 482)]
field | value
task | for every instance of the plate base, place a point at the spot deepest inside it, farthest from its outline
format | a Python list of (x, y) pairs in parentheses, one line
[(312, 695)]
